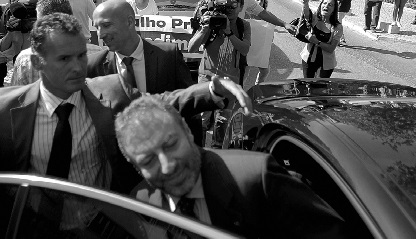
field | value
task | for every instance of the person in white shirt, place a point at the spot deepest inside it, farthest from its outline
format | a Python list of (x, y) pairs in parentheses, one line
[(144, 7), (252, 7), (83, 10)]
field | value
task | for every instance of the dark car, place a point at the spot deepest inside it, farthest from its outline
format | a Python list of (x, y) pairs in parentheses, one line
[(353, 142), (29, 209)]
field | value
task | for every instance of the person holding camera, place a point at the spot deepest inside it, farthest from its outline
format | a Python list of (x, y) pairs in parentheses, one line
[(226, 39)]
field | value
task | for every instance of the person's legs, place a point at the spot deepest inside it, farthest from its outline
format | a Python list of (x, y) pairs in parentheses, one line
[(395, 11), (367, 14), (341, 16), (400, 13), (3, 73), (309, 69), (376, 14), (325, 73), (221, 118), (206, 117)]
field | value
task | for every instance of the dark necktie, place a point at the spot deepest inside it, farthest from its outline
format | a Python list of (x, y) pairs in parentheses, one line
[(51, 204), (186, 206), (60, 158), (130, 72)]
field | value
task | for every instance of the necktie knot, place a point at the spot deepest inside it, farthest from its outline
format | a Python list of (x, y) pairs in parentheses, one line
[(128, 60), (63, 111)]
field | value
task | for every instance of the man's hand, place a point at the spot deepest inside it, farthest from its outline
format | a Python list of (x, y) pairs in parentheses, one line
[(227, 88), (290, 28), (13, 22)]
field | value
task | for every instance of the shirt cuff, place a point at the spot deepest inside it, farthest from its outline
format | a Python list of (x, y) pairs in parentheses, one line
[(218, 100)]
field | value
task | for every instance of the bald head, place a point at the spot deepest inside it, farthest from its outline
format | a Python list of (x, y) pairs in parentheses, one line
[(118, 7), (115, 23)]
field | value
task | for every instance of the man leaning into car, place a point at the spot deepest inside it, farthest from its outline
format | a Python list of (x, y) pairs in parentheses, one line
[(246, 193)]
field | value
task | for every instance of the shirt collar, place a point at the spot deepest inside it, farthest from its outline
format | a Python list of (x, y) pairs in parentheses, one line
[(197, 192), (137, 54), (52, 102)]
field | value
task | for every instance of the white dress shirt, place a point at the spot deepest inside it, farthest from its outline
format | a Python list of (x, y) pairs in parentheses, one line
[(88, 163), (83, 10), (138, 66)]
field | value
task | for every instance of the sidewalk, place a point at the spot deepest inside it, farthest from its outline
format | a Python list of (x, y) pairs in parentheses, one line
[(355, 21)]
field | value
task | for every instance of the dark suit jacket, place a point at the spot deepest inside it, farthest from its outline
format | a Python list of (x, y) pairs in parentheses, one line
[(165, 71), (248, 193), (103, 100), (165, 68)]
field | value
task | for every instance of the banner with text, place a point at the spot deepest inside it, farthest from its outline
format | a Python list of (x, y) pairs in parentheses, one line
[(174, 29)]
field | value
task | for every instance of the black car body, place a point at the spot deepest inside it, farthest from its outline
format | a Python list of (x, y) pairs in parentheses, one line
[(353, 141)]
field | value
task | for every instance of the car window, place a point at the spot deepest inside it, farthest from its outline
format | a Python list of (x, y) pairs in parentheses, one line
[(303, 166), (55, 214)]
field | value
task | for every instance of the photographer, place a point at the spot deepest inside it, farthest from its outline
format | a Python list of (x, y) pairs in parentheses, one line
[(224, 36), (226, 39), (17, 20), (19, 17)]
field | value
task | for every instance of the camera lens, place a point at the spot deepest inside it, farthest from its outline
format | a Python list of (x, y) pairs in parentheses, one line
[(18, 10)]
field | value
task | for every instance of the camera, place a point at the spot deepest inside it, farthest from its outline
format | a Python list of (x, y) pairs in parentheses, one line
[(25, 11), (216, 10)]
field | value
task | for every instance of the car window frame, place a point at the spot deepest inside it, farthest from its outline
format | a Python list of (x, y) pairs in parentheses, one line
[(24, 182)]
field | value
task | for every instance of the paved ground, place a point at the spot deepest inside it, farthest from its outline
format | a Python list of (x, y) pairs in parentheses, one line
[(355, 21)]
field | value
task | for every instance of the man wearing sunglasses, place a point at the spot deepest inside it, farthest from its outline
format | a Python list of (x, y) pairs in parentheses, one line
[(226, 40)]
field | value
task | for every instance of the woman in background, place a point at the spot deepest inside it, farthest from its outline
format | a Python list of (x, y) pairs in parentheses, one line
[(324, 37)]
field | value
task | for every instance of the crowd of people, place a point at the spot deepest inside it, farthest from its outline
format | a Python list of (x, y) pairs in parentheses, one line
[(97, 116)]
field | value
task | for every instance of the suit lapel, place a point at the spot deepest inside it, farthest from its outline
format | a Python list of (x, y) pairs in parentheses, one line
[(110, 65), (221, 193), (23, 120), (151, 65), (102, 118)]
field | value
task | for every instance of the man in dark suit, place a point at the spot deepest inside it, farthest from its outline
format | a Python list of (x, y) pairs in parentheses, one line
[(162, 65), (158, 66), (28, 116), (247, 193)]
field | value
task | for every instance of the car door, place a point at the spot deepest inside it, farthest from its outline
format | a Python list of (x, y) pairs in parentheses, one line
[(38, 207)]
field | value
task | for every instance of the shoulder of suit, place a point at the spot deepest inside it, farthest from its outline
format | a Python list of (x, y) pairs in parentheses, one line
[(104, 84), (11, 93), (161, 45), (99, 55)]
